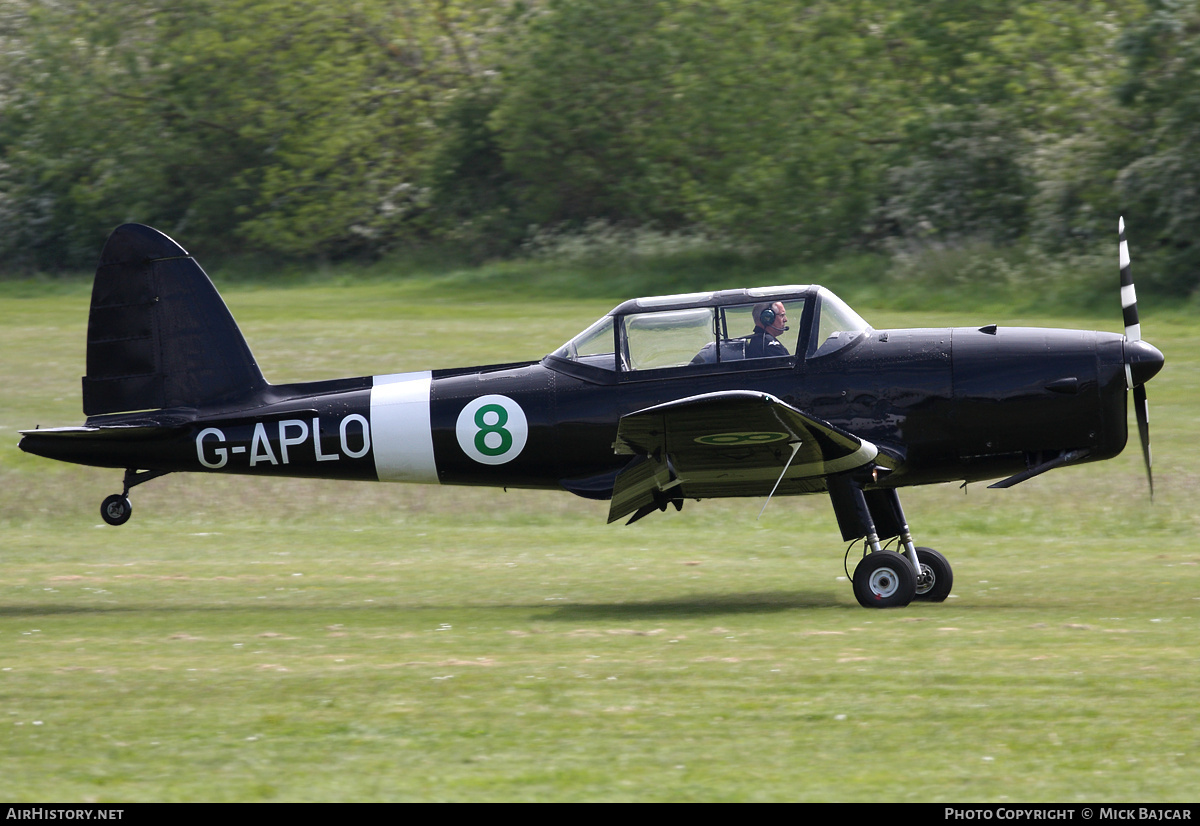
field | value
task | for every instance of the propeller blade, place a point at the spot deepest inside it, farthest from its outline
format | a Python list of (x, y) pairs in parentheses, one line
[(1133, 330), (1142, 411), (1142, 360)]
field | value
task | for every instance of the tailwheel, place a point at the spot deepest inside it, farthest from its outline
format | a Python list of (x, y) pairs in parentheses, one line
[(884, 579), (116, 509), (936, 577)]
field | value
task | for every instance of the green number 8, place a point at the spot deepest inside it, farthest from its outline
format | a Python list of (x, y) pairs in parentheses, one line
[(506, 439)]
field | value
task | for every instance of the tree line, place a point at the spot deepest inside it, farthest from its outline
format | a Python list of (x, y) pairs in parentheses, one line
[(792, 129)]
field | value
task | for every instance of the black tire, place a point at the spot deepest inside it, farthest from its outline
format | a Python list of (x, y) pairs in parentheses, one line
[(884, 579), (116, 509), (937, 578)]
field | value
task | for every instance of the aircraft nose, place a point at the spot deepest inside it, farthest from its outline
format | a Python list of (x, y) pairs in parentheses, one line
[(1144, 360)]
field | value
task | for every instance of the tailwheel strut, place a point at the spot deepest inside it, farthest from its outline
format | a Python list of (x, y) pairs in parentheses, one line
[(116, 509)]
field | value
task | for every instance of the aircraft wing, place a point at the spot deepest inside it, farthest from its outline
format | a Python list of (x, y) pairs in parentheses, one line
[(731, 443)]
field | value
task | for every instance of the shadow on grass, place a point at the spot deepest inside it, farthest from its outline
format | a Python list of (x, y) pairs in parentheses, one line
[(699, 605)]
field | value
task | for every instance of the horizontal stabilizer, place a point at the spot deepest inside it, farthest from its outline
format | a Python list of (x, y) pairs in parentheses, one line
[(99, 446)]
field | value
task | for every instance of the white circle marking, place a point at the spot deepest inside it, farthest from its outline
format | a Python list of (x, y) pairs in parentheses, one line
[(492, 430)]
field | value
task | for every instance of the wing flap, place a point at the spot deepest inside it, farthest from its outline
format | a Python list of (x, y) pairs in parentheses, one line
[(731, 443)]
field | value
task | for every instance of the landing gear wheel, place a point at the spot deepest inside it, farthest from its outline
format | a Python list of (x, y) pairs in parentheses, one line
[(116, 509), (936, 578), (884, 579)]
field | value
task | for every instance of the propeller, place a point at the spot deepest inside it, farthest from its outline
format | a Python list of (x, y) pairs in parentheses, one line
[(1142, 360)]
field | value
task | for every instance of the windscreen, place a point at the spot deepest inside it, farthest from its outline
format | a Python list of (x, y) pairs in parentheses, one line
[(837, 325), (594, 346)]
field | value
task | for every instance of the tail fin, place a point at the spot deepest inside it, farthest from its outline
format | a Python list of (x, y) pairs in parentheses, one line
[(159, 335)]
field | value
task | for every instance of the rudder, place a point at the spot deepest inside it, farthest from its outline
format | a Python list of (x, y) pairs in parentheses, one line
[(159, 334)]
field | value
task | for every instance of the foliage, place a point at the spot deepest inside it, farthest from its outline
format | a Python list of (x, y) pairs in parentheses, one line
[(285, 125), (1161, 185), (744, 120), (295, 128)]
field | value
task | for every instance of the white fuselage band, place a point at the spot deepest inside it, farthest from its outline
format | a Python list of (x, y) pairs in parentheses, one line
[(400, 428)]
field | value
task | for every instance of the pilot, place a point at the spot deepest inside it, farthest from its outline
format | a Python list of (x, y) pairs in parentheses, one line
[(770, 320)]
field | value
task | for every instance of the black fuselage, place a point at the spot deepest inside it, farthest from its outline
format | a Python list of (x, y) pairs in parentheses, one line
[(941, 404)]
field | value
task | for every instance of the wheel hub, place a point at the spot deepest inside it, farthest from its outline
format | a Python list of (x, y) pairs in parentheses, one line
[(884, 582), (926, 579)]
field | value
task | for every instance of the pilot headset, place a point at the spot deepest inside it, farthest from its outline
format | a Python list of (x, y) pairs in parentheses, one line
[(767, 316)]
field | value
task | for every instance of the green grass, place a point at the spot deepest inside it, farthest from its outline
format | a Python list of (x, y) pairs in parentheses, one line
[(292, 640)]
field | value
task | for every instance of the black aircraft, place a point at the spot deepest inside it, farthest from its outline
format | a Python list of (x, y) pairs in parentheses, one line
[(663, 399)]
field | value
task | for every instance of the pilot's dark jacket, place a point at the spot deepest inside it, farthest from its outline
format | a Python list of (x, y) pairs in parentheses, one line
[(757, 345), (761, 344)]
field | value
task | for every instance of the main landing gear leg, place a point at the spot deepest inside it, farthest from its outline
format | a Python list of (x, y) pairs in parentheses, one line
[(116, 509), (934, 576), (886, 579), (882, 579)]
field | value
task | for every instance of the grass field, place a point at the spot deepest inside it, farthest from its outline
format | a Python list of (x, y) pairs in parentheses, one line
[(278, 640)]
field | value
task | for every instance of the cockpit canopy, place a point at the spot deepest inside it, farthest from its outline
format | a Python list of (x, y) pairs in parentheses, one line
[(714, 328)]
